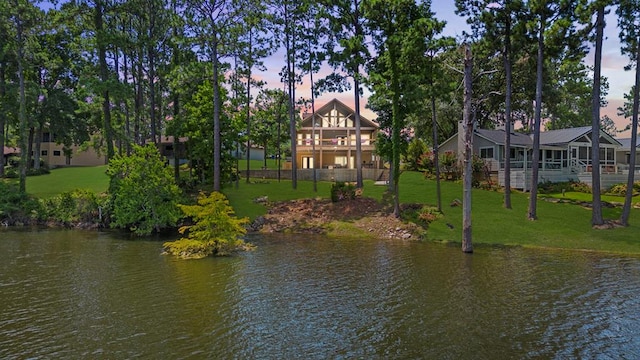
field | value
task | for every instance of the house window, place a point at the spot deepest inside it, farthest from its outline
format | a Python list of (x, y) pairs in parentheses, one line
[(486, 153), (307, 162), (553, 159), (607, 156), (44, 153), (56, 152), (341, 161)]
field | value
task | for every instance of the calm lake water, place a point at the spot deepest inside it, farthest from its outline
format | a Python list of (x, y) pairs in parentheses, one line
[(77, 294)]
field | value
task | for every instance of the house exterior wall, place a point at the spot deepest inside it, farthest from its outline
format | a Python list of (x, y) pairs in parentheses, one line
[(348, 175), (622, 160), (53, 155)]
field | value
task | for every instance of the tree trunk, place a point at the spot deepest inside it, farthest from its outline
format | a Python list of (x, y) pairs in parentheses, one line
[(507, 115), (249, 106), (22, 111), (356, 85), (467, 123), (313, 121), (3, 80), (104, 77), (152, 95), (138, 101), (217, 146), (436, 161), (37, 139), (596, 213), (30, 148), (395, 131), (533, 195), (176, 136), (289, 44), (626, 209)]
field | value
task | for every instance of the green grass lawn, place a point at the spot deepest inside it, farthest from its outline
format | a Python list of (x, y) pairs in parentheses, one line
[(561, 225), (67, 179), (558, 225)]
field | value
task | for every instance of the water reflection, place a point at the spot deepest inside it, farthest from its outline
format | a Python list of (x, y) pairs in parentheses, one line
[(88, 294)]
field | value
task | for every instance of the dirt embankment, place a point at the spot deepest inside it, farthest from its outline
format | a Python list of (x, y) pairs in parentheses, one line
[(318, 216)]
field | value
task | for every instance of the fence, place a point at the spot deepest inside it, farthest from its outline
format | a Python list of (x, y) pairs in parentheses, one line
[(347, 175)]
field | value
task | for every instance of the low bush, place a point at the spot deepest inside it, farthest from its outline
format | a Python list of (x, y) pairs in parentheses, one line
[(549, 187), (621, 189), (17, 207), (76, 206), (342, 191), (429, 214), (215, 231)]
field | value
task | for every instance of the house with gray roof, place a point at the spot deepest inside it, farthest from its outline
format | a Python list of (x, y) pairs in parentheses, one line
[(565, 155), (623, 154)]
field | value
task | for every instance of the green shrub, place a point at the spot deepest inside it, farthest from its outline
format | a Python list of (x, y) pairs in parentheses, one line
[(76, 206), (190, 249), (342, 191), (621, 189), (143, 195), (580, 187), (429, 214), (427, 163), (449, 165), (216, 229), (415, 151), (548, 187), (17, 207)]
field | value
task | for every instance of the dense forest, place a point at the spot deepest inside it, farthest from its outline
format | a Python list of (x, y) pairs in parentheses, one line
[(114, 73)]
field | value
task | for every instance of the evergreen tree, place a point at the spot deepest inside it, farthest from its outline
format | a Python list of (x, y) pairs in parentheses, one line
[(628, 22)]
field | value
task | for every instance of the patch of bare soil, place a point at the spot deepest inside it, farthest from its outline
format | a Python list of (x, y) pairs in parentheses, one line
[(313, 216)]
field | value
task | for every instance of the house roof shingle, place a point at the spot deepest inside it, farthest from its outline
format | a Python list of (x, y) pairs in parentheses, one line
[(498, 137), (10, 150), (626, 142), (563, 136), (342, 108)]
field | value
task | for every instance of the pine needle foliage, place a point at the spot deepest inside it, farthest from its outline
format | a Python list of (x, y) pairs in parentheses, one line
[(215, 230)]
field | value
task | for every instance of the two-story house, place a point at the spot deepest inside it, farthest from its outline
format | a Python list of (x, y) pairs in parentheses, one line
[(332, 132)]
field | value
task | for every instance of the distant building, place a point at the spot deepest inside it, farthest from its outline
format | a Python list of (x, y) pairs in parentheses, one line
[(8, 152)]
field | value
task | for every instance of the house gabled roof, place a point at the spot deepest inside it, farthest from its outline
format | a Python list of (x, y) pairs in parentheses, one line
[(548, 139), (342, 108), (626, 143), (498, 137), (10, 150), (563, 136)]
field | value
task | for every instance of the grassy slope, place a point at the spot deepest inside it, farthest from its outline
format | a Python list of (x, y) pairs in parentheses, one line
[(66, 179), (559, 225)]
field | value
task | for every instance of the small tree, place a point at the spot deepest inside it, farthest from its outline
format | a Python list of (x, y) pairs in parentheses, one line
[(215, 231), (416, 149), (143, 194)]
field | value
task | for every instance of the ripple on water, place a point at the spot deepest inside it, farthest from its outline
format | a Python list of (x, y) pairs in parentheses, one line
[(312, 298)]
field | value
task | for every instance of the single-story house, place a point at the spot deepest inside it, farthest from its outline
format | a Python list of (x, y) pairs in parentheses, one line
[(623, 155), (565, 155)]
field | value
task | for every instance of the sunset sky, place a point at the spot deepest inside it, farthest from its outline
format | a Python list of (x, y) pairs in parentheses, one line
[(620, 81)]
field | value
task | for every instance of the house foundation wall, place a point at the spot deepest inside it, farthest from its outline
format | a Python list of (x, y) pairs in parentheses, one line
[(346, 175)]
